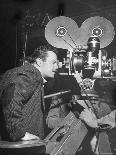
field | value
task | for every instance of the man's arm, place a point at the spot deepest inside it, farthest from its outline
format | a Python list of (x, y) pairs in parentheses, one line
[(108, 119), (89, 118), (14, 97)]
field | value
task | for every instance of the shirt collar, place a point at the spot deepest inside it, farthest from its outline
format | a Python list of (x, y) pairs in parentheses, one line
[(44, 80)]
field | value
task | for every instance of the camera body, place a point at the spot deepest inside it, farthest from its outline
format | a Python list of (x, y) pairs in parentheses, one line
[(91, 62)]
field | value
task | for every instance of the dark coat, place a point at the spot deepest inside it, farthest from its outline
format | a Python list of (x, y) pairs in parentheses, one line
[(22, 102)]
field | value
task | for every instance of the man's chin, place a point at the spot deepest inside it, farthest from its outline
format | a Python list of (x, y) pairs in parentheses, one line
[(51, 76)]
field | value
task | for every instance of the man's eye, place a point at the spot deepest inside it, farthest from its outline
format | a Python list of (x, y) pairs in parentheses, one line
[(54, 63)]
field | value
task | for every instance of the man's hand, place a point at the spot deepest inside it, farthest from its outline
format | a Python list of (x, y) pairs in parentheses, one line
[(89, 118), (29, 136)]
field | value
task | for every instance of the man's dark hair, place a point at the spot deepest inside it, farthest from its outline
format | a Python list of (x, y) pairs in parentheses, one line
[(41, 52)]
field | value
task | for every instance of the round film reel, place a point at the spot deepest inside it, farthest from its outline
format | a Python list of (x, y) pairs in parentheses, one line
[(62, 32), (97, 26)]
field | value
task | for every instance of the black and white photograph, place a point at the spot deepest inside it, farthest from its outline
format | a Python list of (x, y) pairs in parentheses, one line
[(57, 77)]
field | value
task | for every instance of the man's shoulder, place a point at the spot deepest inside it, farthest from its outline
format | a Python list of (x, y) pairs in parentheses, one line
[(23, 74), (29, 70)]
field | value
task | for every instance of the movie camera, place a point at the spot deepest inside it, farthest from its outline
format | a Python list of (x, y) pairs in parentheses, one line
[(85, 47)]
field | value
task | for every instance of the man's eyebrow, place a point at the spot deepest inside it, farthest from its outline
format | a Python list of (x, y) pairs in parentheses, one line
[(54, 60)]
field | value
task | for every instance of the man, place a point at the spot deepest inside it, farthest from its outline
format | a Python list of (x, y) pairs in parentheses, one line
[(60, 104), (104, 123), (105, 108), (22, 95)]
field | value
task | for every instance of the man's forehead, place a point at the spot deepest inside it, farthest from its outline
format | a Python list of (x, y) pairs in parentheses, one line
[(52, 55)]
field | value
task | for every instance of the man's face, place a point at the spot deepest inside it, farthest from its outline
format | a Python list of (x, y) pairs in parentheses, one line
[(50, 66)]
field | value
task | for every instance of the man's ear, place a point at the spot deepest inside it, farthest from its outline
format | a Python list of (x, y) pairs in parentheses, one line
[(39, 61)]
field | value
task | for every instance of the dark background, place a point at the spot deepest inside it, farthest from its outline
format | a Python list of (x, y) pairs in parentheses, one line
[(14, 23), (16, 16)]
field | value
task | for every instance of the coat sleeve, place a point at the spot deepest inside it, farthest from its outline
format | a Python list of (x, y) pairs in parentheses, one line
[(109, 119), (14, 98)]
